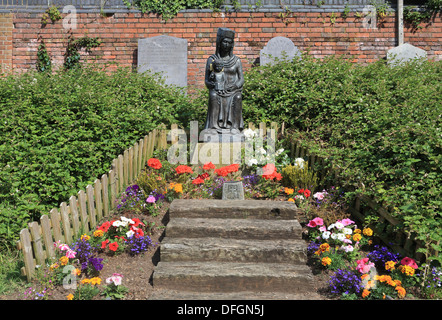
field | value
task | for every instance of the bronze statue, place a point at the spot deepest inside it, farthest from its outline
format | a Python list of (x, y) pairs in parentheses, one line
[(224, 79)]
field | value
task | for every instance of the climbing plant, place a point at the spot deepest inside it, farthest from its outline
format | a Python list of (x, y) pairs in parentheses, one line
[(72, 56), (169, 8), (43, 59), (425, 14)]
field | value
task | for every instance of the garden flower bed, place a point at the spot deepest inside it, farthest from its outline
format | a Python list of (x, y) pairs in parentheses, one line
[(116, 260)]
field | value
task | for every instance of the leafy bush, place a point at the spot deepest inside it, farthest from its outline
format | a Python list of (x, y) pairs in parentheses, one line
[(59, 132), (380, 125)]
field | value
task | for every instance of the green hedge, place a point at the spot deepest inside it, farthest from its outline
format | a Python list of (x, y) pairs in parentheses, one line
[(59, 133), (380, 124)]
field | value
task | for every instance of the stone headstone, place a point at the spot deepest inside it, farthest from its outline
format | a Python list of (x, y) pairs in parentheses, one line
[(165, 55), (233, 190), (403, 53), (278, 47)]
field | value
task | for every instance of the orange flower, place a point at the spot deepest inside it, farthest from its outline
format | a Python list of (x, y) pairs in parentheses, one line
[(357, 237), (389, 265), (401, 292), (70, 296), (324, 247), (365, 293), (197, 181)]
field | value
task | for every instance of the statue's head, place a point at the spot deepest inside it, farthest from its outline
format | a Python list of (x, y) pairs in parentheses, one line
[(224, 33), (218, 65)]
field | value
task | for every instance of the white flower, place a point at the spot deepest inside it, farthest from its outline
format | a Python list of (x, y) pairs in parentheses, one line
[(341, 237), (334, 236), (251, 162), (279, 151), (347, 231), (326, 234), (130, 233), (299, 162), (319, 195), (249, 133), (331, 226), (348, 248), (339, 225)]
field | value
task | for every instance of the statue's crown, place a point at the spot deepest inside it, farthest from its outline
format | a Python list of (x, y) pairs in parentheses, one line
[(226, 33)]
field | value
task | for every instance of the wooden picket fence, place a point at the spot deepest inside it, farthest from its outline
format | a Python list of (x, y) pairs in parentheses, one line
[(83, 212), (387, 228)]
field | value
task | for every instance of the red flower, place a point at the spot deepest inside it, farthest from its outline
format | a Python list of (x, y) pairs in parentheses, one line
[(183, 169), (270, 173), (301, 191), (104, 244), (105, 226), (224, 171), (197, 181), (204, 176), (137, 222), (154, 163), (113, 246), (307, 193), (409, 262), (208, 166), (139, 233)]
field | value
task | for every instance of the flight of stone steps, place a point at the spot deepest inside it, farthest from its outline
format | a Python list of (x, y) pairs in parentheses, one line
[(232, 249)]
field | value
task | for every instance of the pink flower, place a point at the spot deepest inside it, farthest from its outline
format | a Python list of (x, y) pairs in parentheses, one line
[(347, 221), (116, 278), (315, 222), (150, 199), (70, 253), (364, 266), (409, 262)]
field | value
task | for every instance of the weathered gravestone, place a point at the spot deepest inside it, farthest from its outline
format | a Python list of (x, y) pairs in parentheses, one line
[(403, 53), (165, 55), (281, 48)]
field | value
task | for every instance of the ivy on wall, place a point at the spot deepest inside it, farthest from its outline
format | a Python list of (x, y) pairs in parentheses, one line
[(169, 8)]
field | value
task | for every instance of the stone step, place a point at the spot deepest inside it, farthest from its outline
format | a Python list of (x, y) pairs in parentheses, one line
[(233, 250), (233, 276), (239, 295), (233, 209), (234, 228)]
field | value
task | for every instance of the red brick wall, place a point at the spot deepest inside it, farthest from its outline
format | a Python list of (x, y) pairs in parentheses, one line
[(309, 31), (5, 41)]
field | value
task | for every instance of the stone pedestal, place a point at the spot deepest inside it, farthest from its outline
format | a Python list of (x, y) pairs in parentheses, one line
[(219, 153), (233, 190)]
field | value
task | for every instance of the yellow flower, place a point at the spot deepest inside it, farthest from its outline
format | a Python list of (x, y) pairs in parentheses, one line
[(76, 272), (291, 200), (357, 231), (370, 284), (85, 281), (365, 293), (95, 280), (85, 237), (389, 265), (98, 233), (326, 261), (64, 260), (324, 247), (288, 191), (368, 232), (54, 266), (70, 296), (409, 271), (357, 237)]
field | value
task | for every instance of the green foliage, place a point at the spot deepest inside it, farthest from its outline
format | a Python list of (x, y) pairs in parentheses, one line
[(299, 177), (169, 8), (43, 60), (430, 9), (380, 125), (59, 133), (52, 14), (72, 56)]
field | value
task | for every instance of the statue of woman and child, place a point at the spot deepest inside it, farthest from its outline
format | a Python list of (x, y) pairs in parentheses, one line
[(224, 79)]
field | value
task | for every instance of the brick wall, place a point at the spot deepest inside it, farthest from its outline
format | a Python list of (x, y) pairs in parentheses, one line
[(6, 28), (320, 33)]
